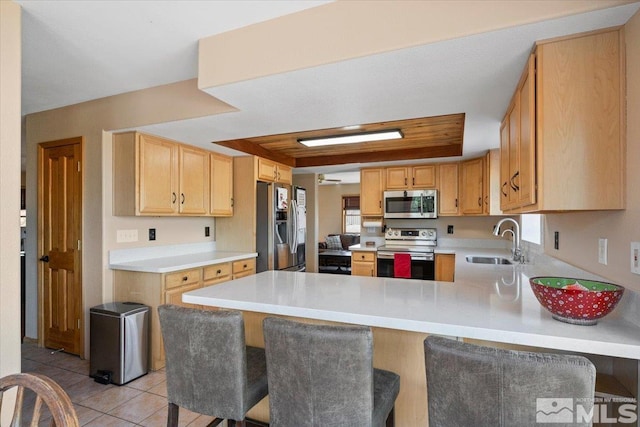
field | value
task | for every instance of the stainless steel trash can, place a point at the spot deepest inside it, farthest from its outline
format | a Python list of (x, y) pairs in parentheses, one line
[(119, 347)]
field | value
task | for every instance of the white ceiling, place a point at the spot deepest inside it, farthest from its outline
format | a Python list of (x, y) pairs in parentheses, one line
[(75, 51)]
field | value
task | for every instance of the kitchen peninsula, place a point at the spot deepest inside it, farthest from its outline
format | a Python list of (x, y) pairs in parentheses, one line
[(486, 302)]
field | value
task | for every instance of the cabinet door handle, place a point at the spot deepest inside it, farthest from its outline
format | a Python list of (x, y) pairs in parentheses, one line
[(456, 203), (182, 195), (380, 204), (513, 184), (413, 181), (502, 189), (232, 202), (479, 201), (173, 199), (405, 181)]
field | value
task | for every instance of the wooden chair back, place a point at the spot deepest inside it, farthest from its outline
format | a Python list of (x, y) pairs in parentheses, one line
[(48, 391)]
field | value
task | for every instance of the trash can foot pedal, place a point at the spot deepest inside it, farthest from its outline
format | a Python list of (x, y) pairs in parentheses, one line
[(103, 377)]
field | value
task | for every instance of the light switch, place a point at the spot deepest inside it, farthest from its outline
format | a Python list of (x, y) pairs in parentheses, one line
[(602, 251), (123, 236)]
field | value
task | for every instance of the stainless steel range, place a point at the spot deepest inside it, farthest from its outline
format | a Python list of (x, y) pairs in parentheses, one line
[(417, 242)]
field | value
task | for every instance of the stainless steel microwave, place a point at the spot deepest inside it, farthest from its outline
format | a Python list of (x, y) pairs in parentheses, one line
[(411, 204)]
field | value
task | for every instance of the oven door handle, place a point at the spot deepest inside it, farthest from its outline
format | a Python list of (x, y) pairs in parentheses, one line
[(384, 255)]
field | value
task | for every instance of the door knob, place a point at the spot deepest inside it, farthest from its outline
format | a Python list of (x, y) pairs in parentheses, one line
[(44, 258)]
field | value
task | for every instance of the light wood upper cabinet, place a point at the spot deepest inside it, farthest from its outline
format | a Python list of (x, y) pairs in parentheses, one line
[(517, 142), (194, 181), (271, 171), (158, 177), (145, 175), (448, 194), (221, 197), (566, 141), (472, 187), (371, 189), (408, 177)]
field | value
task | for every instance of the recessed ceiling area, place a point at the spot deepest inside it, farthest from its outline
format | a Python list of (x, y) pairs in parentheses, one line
[(423, 138)]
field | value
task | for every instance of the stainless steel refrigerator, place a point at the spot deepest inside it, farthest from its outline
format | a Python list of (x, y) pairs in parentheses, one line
[(281, 229)]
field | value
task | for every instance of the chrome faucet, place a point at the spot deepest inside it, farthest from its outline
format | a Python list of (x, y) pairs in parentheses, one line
[(515, 241)]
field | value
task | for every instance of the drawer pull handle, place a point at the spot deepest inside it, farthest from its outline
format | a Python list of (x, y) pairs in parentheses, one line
[(244, 266), (185, 278), (219, 271)]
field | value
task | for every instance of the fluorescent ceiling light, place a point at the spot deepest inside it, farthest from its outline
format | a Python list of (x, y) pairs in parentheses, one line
[(352, 139)]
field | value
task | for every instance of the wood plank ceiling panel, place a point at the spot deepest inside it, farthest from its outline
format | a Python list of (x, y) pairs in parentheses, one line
[(426, 137)]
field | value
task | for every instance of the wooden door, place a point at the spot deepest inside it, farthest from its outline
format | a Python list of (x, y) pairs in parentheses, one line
[(157, 176), (221, 185), (527, 165), (424, 176), (504, 164), (60, 244), (397, 178), (267, 170), (514, 153), (448, 181), (194, 181), (371, 187), (284, 174), (471, 179)]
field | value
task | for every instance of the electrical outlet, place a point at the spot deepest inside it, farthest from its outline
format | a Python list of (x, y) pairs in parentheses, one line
[(123, 236), (556, 240), (602, 251), (449, 229), (635, 257), (152, 234), (207, 231)]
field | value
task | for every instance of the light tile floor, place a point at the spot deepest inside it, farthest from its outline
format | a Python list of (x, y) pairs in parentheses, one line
[(142, 402)]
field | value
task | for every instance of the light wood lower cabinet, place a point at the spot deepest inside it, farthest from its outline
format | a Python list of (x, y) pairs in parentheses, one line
[(155, 289), (445, 267), (243, 268), (363, 263)]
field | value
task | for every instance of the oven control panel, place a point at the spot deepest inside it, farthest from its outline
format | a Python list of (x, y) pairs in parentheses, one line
[(410, 234)]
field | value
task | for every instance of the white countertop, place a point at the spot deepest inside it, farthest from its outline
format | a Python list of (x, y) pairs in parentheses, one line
[(363, 248), (487, 302), (181, 262)]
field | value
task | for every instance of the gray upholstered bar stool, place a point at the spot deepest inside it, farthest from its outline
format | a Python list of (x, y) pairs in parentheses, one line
[(323, 375), (209, 369), (472, 385)]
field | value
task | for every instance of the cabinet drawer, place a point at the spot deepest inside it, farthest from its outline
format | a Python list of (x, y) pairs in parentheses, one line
[(244, 265), (218, 271), (363, 256), (182, 278)]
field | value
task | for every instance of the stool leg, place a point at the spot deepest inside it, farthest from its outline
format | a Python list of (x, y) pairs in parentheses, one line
[(391, 418), (172, 415)]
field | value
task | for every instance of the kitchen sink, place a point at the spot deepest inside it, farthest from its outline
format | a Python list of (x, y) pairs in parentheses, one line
[(487, 260)]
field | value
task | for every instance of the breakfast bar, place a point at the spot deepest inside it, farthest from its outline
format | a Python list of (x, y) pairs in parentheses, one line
[(486, 303)]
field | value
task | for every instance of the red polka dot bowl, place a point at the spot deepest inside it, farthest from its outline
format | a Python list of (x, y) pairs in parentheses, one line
[(576, 301)]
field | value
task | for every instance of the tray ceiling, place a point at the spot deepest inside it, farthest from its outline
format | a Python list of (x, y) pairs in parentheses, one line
[(423, 138)]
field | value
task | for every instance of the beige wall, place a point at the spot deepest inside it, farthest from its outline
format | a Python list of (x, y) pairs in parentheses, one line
[(330, 207), (579, 232), (91, 119), (10, 83)]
